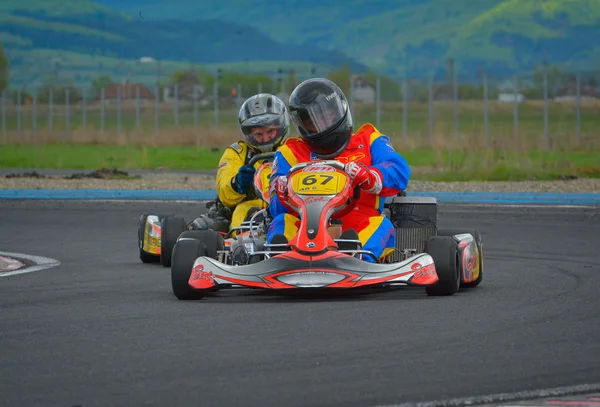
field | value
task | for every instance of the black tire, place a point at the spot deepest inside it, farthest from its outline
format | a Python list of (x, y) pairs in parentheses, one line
[(171, 228), (479, 241), (444, 251), (213, 241), (145, 257), (185, 254)]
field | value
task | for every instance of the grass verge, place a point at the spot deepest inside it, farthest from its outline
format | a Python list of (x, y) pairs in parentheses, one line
[(484, 165)]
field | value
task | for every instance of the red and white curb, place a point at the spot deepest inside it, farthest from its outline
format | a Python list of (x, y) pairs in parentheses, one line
[(10, 264)]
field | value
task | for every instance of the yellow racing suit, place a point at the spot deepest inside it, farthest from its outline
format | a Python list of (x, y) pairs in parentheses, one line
[(234, 157)]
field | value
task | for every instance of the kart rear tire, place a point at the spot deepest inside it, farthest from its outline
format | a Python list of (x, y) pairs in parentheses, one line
[(479, 241), (213, 241), (185, 254), (145, 257), (171, 227), (444, 251)]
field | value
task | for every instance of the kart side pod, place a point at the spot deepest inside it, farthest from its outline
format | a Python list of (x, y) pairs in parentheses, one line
[(415, 222)]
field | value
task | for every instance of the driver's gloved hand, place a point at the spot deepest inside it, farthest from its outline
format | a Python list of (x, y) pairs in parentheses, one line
[(368, 179), (244, 178), (280, 186)]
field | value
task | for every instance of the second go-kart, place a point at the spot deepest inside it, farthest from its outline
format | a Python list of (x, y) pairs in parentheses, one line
[(321, 192), (158, 233)]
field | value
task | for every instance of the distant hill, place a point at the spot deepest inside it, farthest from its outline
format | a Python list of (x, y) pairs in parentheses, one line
[(501, 35), (31, 27)]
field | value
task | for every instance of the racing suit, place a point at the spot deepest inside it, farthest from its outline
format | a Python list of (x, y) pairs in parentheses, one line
[(370, 147), (235, 156)]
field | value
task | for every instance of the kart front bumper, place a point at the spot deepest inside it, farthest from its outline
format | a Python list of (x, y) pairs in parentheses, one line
[(331, 270)]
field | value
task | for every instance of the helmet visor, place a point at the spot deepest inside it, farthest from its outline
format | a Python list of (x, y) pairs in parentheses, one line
[(265, 130), (320, 115)]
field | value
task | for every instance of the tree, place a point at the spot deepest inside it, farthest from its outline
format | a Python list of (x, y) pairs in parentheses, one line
[(4, 77), (342, 78), (101, 82)]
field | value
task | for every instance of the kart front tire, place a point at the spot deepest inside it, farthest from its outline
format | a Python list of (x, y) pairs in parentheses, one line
[(444, 251), (213, 241), (185, 254), (171, 227), (478, 241)]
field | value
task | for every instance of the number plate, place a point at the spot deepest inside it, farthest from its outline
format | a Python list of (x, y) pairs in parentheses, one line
[(318, 183)]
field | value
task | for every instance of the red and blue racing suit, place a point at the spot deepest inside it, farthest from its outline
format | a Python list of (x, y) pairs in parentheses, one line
[(370, 147)]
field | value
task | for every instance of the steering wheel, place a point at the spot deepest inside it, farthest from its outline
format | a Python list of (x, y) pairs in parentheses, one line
[(262, 156)]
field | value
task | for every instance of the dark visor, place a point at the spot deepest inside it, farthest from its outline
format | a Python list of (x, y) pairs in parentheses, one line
[(322, 114)]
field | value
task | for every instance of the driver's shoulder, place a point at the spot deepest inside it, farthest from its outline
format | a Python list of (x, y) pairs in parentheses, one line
[(239, 147), (368, 134), (293, 145)]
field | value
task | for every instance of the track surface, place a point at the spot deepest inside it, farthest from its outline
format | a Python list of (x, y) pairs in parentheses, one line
[(104, 329)]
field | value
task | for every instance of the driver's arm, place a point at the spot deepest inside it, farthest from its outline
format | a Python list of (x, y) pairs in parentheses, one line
[(393, 168), (229, 165), (281, 166)]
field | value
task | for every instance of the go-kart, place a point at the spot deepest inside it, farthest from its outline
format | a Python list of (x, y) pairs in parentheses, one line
[(158, 233), (321, 193)]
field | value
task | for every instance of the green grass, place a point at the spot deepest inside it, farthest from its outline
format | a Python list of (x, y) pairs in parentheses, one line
[(426, 164)]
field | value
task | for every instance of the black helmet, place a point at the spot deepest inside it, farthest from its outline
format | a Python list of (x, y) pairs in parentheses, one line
[(320, 112), (260, 111)]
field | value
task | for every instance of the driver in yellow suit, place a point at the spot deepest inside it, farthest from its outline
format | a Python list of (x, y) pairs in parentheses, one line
[(264, 122)]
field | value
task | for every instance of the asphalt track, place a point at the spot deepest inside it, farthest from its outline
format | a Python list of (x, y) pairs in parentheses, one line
[(103, 329)]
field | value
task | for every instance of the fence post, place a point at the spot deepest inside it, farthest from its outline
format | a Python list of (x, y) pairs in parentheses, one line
[(546, 113), (84, 107), (50, 110), (430, 98), (19, 95), (176, 107), (67, 110), (216, 104), (156, 108), (352, 101), (102, 111), (486, 129), (260, 87), (238, 95), (137, 107), (195, 106), (34, 116), (4, 115), (378, 102), (405, 107), (578, 85), (455, 99), (516, 111), (119, 97)]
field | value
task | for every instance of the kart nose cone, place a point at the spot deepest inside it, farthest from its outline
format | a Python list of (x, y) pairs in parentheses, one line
[(311, 279)]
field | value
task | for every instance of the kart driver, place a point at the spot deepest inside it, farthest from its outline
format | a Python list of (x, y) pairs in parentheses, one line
[(319, 110), (264, 122)]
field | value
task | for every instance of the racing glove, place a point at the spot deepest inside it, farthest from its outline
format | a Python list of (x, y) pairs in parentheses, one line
[(368, 179), (279, 187), (243, 179)]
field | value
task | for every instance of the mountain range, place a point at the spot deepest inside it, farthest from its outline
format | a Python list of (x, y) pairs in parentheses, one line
[(392, 37)]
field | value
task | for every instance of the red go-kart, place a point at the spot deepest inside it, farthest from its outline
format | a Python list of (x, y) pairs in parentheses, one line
[(321, 192)]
